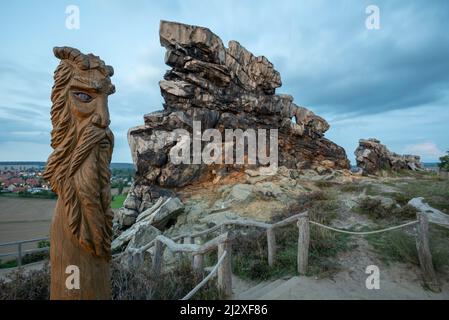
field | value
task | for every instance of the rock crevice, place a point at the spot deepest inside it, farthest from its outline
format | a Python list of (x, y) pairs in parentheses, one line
[(223, 88)]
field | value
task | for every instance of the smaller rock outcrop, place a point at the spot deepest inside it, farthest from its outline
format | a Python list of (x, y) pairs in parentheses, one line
[(434, 215), (372, 156)]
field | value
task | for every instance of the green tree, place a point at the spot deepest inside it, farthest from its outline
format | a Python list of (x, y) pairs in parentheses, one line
[(444, 162)]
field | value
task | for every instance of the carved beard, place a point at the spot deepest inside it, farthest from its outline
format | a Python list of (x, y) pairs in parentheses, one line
[(88, 191)]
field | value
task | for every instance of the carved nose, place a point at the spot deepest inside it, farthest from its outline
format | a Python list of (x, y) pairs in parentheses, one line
[(100, 121)]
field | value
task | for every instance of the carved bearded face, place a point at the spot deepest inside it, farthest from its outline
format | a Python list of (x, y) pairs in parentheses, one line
[(78, 168), (88, 94)]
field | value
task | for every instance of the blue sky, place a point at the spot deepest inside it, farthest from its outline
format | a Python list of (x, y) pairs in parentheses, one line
[(391, 83)]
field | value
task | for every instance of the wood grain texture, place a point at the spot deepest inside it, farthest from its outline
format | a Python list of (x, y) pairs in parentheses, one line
[(303, 244), (225, 268), (271, 244), (424, 254), (78, 171)]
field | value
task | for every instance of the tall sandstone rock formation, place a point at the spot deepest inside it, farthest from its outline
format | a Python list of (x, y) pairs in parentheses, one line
[(224, 88), (372, 156)]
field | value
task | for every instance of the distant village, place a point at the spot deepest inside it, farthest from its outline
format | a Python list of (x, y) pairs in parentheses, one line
[(22, 179), (27, 179)]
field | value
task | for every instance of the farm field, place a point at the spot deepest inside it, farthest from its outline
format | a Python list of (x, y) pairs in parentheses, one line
[(22, 218)]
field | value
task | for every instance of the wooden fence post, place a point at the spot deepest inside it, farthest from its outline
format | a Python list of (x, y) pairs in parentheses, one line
[(19, 257), (157, 257), (198, 263), (425, 257), (303, 244), (271, 244), (190, 240), (223, 228), (225, 269)]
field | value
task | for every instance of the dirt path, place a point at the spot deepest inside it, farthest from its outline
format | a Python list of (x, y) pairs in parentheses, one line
[(397, 281)]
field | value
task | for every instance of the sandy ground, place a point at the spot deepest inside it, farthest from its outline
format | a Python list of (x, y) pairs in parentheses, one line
[(22, 219), (398, 281)]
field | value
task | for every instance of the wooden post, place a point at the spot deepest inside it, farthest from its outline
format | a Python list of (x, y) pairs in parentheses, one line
[(198, 263), (157, 257), (425, 257), (303, 244), (223, 228), (271, 244), (19, 257), (189, 240), (135, 259), (225, 269)]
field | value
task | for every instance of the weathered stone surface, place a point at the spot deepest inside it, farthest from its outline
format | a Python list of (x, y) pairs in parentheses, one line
[(372, 156), (434, 215), (224, 88), (160, 214), (144, 234), (125, 217)]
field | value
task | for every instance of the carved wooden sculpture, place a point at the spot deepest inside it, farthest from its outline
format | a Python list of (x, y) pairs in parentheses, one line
[(78, 171)]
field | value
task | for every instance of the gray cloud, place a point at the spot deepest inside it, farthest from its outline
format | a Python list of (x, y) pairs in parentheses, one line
[(328, 60)]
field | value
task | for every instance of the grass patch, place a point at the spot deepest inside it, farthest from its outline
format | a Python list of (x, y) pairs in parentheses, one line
[(117, 201), (174, 284), (325, 184), (250, 256), (30, 285), (435, 191), (127, 284), (400, 246), (29, 257), (26, 259), (376, 210)]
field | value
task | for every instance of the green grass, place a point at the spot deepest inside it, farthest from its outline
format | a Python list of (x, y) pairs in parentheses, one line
[(249, 258), (400, 246), (26, 259), (117, 201), (410, 185), (434, 191)]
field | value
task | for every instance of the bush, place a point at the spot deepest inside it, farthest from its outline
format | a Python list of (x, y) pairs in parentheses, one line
[(127, 284), (250, 258), (400, 246), (26, 285), (444, 162), (141, 284), (374, 208)]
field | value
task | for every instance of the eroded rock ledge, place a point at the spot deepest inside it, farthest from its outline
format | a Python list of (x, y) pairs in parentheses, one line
[(372, 156), (223, 88)]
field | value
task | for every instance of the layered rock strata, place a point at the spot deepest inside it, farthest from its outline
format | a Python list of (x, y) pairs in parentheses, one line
[(372, 156), (220, 88)]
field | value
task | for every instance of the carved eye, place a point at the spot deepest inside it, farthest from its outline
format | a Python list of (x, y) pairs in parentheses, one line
[(82, 96)]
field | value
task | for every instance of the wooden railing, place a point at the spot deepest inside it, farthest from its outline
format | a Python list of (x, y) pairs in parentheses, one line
[(185, 243), (223, 244), (20, 252)]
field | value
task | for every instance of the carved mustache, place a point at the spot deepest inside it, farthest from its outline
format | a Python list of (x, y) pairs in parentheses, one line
[(92, 136)]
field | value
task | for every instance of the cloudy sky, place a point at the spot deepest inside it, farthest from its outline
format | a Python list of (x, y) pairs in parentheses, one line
[(391, 83)]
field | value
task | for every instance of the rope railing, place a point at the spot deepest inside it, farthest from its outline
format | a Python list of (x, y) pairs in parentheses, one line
[(422, 245), (363, 233), (222, 242), (207, 278)]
